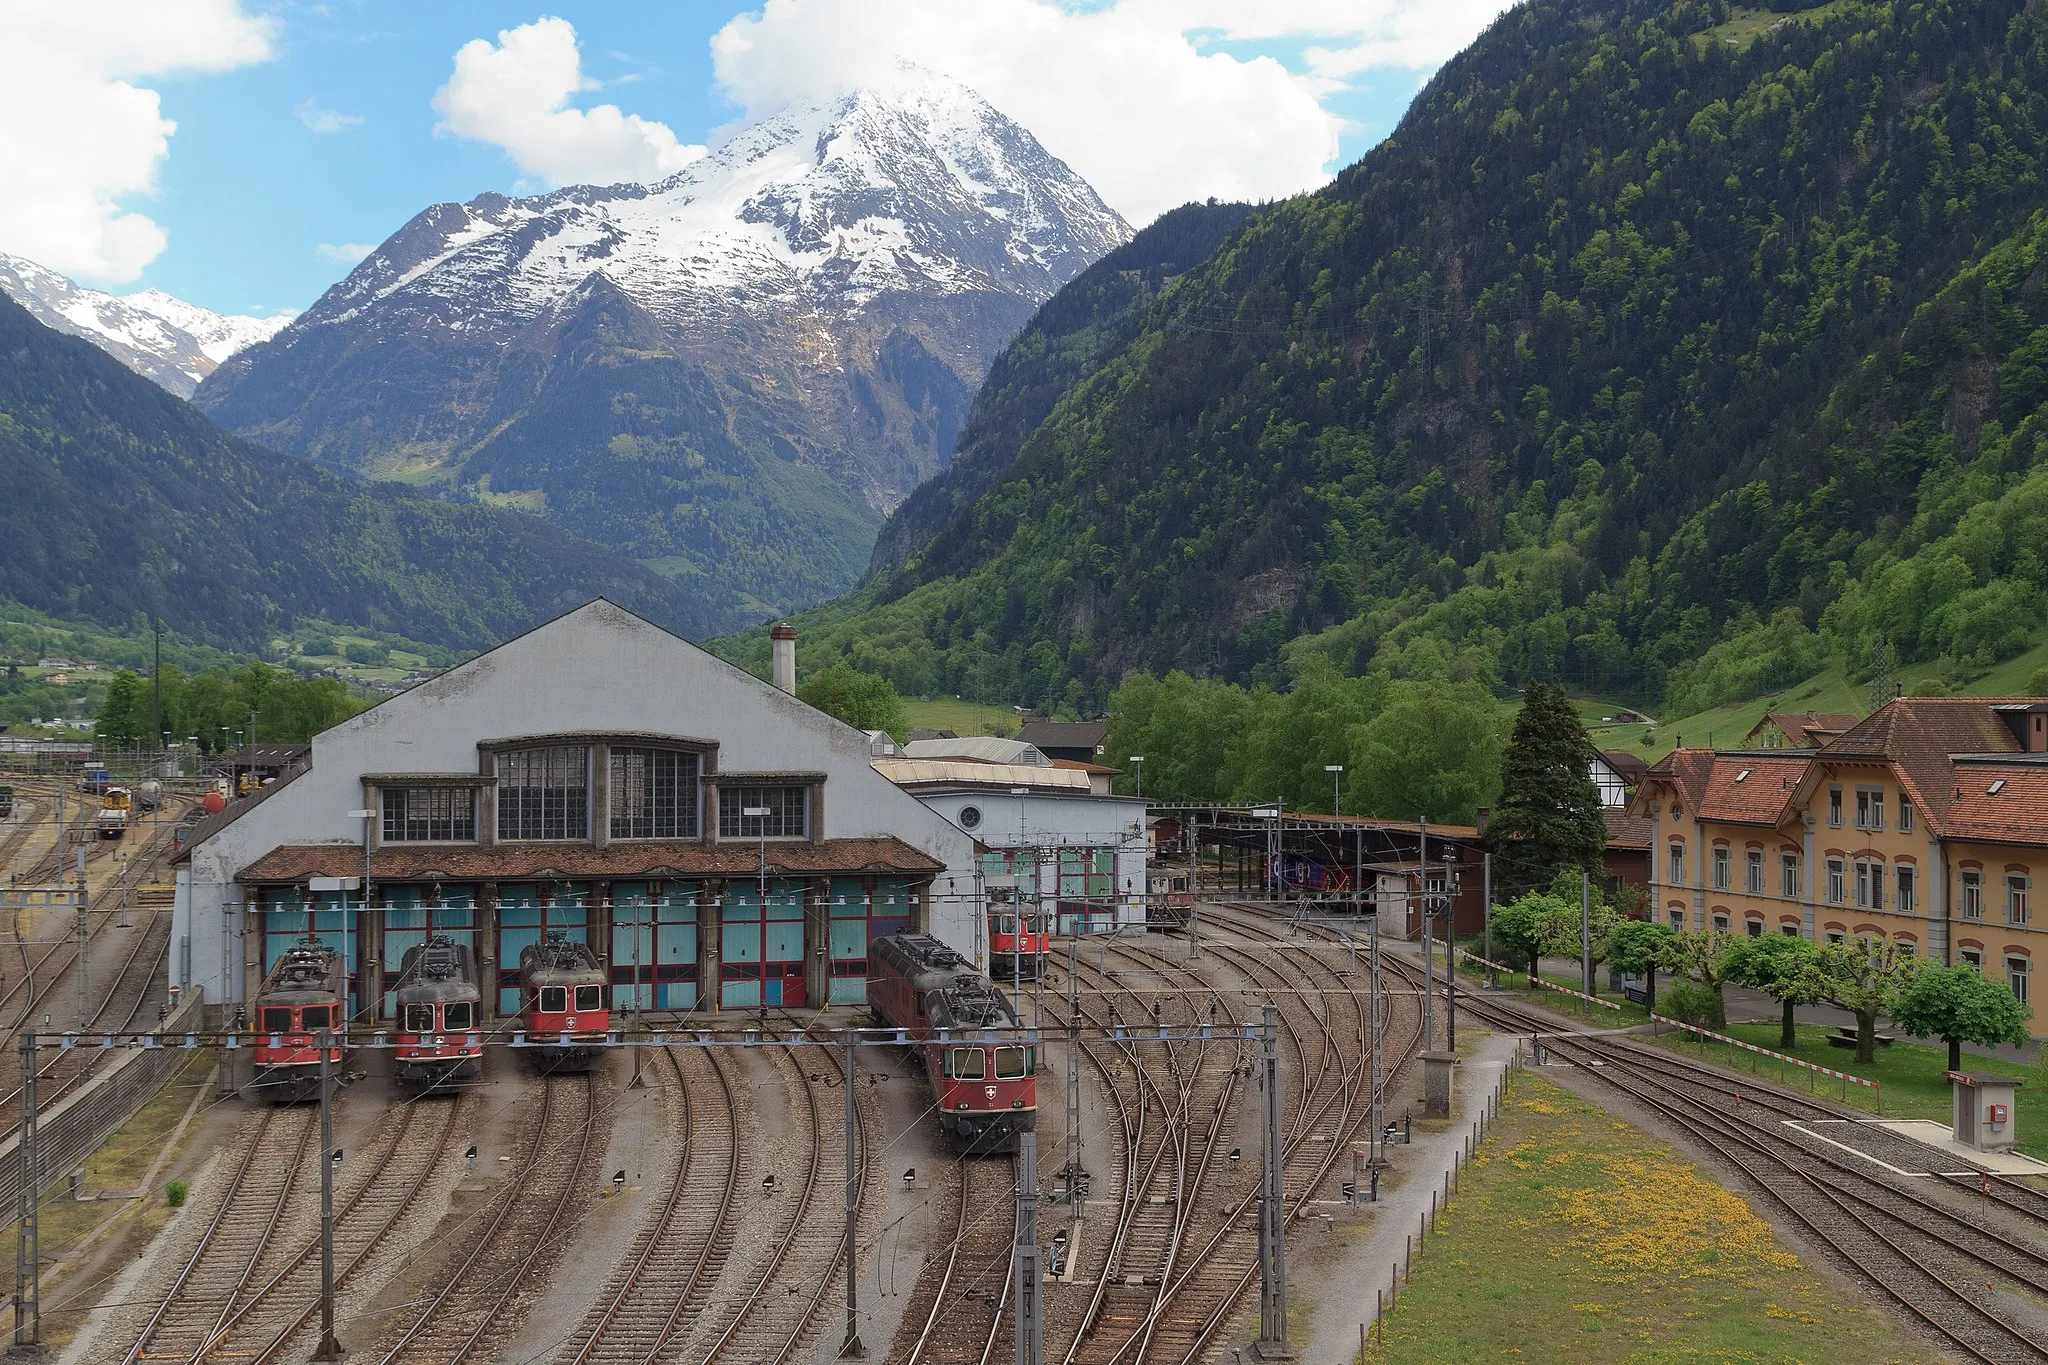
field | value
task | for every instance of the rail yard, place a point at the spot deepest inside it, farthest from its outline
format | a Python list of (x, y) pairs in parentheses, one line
[(689, 1195)]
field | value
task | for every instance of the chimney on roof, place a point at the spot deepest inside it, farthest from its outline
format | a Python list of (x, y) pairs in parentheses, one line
[(1482, 820), (782, 653)]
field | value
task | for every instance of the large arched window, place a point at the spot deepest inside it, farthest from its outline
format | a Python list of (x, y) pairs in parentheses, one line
[(544, 793), (653, 793)]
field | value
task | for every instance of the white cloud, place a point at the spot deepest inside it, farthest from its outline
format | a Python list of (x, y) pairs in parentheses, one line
[(344, 253), (1132, 94), (78, 134), (516, 94), (325, 120)]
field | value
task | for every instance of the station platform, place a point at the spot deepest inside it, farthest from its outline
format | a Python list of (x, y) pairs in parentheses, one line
[(1914, 1147)]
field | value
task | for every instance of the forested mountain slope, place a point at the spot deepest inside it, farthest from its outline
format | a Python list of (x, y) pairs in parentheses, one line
[(1652, 326), (122, 500)]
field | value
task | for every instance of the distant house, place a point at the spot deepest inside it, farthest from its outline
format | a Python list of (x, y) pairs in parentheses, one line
[(1616, 773), (1799, 729), (1077, 740)]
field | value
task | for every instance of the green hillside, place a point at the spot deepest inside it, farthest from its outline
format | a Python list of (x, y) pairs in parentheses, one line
[(122, 501), (1665, 350)]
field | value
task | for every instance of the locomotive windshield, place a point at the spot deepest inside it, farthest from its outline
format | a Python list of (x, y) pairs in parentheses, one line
[(1010, 1063), (276, 1021), (316, 1016), (419, 1018), (968, 1064), (459, 1015), (553, 999), (589, 998)]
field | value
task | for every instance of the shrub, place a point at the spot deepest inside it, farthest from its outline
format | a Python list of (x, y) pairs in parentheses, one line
[(175, 1192), (1691, 1003)]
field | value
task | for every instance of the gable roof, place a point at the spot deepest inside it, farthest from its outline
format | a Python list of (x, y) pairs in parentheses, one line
[(1630, 768), (2015, 813), (1811, 728), (1917, 736)]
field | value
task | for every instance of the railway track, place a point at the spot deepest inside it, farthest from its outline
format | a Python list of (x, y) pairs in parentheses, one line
[(668, 1273), (1928, 1255), (506, 1252), (222, 1267), (960, 1305), (767, 1315)]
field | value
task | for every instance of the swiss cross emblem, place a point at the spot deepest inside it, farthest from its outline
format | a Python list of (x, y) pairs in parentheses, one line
[(989, 1091)]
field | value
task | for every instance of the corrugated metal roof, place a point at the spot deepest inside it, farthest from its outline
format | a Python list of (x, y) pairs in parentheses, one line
[(911, 772), (978, 749)]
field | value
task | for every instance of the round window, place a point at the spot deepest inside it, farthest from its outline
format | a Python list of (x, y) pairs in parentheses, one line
[(970, 817)]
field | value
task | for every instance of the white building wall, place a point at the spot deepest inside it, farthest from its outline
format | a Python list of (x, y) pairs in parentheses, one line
[(1044, 820), (599, 669)]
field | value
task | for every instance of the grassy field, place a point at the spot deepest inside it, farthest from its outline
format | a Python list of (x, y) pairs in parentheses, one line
[(1577, 1237), (962, 717), (1912, 1075)]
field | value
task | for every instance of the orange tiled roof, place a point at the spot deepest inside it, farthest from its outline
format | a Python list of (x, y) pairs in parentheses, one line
[(1813, 728), (527, 862), (1917, 735), (1751, 788), (2016, 814)]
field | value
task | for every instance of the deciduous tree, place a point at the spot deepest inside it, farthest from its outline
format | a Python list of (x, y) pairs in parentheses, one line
[(1959, 1005), (866, 701), (1865, 977), (1783, 967), (1641, 947)]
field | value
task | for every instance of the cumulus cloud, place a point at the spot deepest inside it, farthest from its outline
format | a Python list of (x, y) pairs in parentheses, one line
[(325, 120), (344, 253), (79, 132), (515, 94), (1135, 95)]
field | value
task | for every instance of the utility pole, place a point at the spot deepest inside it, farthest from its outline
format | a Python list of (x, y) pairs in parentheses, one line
[(1272, 1342), (1030, 1323), (1486, 934), (1586, 930), (1428, 943), (330, 1345), (84, 938), (851, 1348), (1194, 887), (1378, 1118), (28, 1268), (1076, 1173)]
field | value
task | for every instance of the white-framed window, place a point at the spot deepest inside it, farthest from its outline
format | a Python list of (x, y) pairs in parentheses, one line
[(1907, 900), (1720, 924), (1869, 809), (1905, 813), (1753, 879), (1788, 875), (1677, 918), (1970, 894), (1835, 807), (544, 793), (1721, 868), (1755, 928), (1870, 885), (1972, 957), (2016, 969), (2016, 889), (1677, 864), (1837, 880)]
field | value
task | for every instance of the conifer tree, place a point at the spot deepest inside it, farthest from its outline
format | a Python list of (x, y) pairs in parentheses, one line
[(1547, 820)]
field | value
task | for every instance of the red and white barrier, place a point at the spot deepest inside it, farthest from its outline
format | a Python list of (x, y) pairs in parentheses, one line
[(1538, 981), (1779, 1056)]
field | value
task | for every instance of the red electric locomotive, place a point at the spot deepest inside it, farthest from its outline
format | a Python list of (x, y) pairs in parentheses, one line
[(986, 1090), (563, 989), (306, 991), (1017, 943), (440, 1039)]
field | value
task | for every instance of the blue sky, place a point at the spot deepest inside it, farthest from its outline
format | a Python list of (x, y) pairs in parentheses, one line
[(304, 128)]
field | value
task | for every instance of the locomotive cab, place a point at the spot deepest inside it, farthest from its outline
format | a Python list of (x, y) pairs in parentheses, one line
[(563, 988), (302, 996), (984, 1087), (440, 1039)]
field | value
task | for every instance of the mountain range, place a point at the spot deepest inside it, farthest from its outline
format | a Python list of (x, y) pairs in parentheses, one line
[(1660, 349), (123, 501), (166, 340), (732, 374)]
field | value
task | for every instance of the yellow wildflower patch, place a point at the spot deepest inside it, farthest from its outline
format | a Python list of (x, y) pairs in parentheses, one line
[(1652, 1215)]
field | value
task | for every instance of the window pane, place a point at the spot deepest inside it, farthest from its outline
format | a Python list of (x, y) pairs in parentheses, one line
[(459, 1015), (419, 1018), (967, 1063), (275, 1021), (554, 999), (1009, 1063), (653, 794), (429, 815), (589, 998), (544, 793), (788, 812), (314, 1016)]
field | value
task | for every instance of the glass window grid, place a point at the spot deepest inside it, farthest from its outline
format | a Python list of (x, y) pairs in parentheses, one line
[(1678, 863), (1788, 875), (429, 815), (2016, 889), (1835, 807), (411, 913), (1971, 895), (1905, 890), (788, 810), (1837, 877), (1720, 869), (653, 793), (1905, 814), (1754, 879), (544, 794)]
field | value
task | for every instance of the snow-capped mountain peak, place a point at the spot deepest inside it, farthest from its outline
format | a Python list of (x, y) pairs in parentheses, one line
[(915, 184), (174, 343)]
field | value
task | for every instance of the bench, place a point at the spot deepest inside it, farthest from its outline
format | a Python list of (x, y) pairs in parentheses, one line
[(1846, 1037)]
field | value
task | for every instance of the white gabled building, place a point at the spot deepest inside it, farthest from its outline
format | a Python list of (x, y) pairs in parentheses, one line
[(590, 777)]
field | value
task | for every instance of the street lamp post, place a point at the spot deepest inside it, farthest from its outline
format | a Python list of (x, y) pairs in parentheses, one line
[(1138, 762), (1336, 772)]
